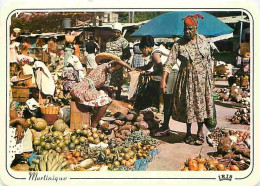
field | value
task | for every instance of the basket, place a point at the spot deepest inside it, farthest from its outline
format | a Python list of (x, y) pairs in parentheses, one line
[(69, 38), (49, 113)]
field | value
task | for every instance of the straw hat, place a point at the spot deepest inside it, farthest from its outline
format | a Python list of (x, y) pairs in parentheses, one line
[(106, 56)]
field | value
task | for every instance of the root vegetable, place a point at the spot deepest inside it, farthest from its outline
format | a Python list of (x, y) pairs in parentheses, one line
[(125, 127), (143, 125), (130, 117), (119, 122), (126, 132), (140, 117)]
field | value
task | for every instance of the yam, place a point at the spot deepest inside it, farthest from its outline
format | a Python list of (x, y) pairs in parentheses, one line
[(119, 135), (140, 117), (119, 122), (112, 135), (126, 132), (125, 127), (130, 117), (143, 125)]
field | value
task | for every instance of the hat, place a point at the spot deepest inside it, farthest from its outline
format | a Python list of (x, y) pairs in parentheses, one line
[(192, 20), (106, 56), (117, 26), (25, 59), (16, 30)]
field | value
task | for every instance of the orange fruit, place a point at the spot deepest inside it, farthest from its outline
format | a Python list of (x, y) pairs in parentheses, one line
[(123, 162), (234, 168), (201, 167), (116, 163), (131, 161), (128, 164), (193, 165), (220, 167)]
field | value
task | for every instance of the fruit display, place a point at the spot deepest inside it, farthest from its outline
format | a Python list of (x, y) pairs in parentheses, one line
[(75, 140), (237, 153), (207, 164), (51, 161), (123, 126), (214, 137), (90, 145), (235, 93), (241, 116)]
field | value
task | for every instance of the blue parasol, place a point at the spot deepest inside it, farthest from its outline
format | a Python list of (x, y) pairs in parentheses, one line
[(171, 24)]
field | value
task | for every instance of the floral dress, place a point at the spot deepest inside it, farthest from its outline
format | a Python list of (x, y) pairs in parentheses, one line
[(70, 78), (86, 92), (192, 100)]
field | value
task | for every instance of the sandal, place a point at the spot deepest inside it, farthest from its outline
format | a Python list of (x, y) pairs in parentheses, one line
[(200, 140), (162, 133), (189, 140)]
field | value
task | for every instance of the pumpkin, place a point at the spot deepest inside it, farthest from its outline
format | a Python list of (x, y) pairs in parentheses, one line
[(59, 125)]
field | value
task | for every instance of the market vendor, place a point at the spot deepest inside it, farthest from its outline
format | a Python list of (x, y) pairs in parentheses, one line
[(52, 50), (193, 96), (72, 74), (86, 92), (150, 96), (118, 46), (25, 46)]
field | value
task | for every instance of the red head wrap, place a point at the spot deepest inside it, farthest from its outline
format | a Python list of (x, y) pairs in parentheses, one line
[(192, 20)]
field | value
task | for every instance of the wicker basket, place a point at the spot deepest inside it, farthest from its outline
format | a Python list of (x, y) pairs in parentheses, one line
[(69, 38), (49, 113)]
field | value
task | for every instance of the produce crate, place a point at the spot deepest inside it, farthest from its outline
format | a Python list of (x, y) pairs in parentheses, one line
[(20, 94)]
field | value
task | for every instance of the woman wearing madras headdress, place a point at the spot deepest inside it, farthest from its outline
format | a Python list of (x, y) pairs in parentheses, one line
[(192, 100)]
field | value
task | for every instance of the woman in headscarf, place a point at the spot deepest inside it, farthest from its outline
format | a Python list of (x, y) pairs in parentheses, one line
[(192, 101), (87, 93)]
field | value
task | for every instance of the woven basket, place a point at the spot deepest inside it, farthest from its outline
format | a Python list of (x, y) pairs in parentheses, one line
[(49, 113)]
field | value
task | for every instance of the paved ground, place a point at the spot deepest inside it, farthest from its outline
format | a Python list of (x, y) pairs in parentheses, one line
[(173, 152)]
